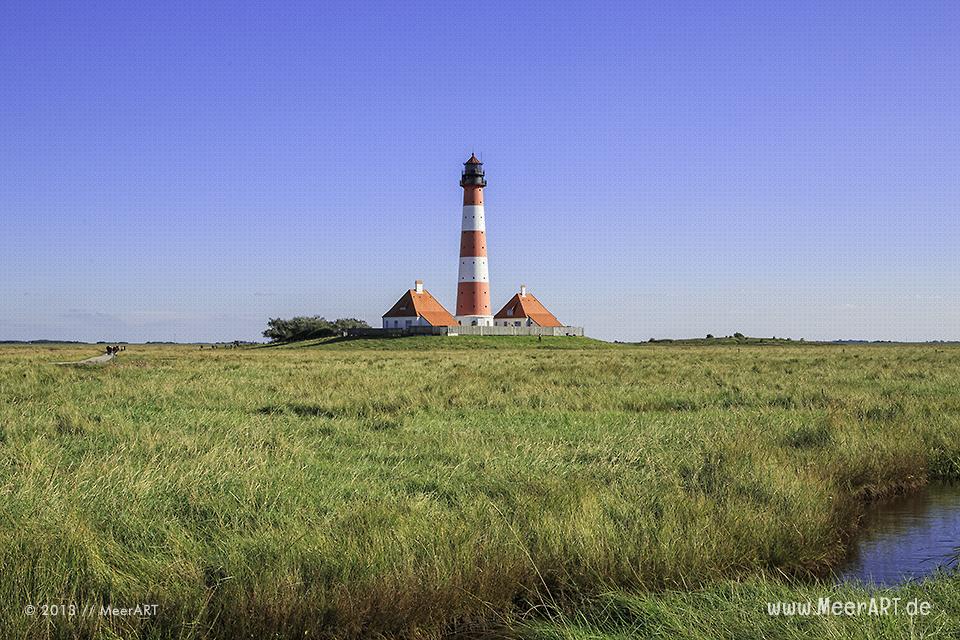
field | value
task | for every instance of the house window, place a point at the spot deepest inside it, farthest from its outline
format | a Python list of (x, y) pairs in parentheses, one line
[(408, 323), (510, 311), (517, 323)]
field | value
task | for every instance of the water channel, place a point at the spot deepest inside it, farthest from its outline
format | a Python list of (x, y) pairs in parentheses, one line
[(906, 538)]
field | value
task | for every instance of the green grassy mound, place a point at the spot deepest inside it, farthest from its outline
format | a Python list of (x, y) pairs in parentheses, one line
[(418, 343)]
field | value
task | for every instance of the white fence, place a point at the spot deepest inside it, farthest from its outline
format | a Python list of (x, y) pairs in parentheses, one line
[(467, 331)]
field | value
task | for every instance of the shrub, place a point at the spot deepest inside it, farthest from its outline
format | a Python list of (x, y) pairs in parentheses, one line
[(308, 327)]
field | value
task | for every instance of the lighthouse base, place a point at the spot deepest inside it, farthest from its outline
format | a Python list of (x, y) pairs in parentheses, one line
[(475, 321)]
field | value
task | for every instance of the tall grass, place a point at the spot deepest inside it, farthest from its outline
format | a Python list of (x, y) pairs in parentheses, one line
[(344, 490)]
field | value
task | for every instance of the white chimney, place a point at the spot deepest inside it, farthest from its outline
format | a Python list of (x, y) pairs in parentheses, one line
[(523, 290), (418, 287)]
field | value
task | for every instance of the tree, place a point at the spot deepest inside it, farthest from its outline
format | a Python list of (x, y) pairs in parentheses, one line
[(350, 323), (308, 327)]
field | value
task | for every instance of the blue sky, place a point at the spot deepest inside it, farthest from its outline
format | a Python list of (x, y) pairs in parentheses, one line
[(186, 171)]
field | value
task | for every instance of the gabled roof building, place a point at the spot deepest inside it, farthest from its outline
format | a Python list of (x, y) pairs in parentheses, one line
[(524, 310), (417, 308)]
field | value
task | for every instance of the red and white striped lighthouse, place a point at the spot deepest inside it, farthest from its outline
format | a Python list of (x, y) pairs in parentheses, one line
[(473, 285)]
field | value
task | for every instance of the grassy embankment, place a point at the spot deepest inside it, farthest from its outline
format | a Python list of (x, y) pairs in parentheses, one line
[(338, 489)]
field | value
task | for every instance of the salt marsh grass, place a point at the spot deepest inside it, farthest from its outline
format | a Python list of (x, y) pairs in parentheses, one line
[(417, 487)]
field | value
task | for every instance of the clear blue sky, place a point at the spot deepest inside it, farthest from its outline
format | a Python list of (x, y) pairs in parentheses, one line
[(186, 171)]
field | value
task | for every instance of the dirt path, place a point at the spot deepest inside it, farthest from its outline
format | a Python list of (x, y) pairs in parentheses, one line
[(101, 359)]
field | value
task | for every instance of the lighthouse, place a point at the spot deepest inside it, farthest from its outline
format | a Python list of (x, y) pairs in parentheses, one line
[(473, 283)]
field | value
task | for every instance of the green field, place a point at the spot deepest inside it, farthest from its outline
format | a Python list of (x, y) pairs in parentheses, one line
[(417, 487)]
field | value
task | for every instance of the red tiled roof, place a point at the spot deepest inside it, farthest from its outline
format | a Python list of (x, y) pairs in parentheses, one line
[(528, 307), (413, 304)]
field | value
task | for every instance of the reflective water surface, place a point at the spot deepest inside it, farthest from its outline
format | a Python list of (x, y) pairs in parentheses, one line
[(907, 537)]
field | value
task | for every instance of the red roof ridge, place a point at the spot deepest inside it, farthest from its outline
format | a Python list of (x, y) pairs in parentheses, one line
[(527, 306), (413, 304)]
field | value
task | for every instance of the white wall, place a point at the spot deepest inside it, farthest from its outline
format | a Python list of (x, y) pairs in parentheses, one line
[(474, 270), (481, 321), (473, 218), (401, 323), (511, 322)]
